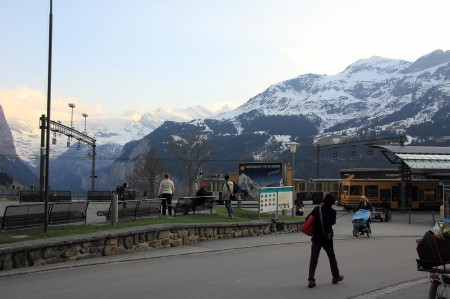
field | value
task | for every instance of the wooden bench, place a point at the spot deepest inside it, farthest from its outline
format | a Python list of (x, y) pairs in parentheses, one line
[(193, 204), (134, 209), (99, 195), (27, 216)]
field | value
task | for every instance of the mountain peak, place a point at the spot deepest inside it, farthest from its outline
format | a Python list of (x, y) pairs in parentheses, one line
[(427, 61), (376, 65)]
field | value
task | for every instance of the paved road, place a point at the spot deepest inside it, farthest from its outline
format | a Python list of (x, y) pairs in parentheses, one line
[(382, 266)]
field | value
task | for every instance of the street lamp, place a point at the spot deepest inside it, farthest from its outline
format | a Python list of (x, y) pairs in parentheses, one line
[(293, 149), (85, 116), (71, 105)]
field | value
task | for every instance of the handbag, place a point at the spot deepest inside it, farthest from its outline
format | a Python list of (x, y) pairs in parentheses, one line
[(233, 196), (308, 225)]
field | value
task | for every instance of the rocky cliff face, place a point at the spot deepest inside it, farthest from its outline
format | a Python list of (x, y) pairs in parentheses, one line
[(6, 139), (10, 163)]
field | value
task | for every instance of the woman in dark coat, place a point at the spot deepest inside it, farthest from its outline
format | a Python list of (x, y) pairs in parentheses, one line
[(323, 238)]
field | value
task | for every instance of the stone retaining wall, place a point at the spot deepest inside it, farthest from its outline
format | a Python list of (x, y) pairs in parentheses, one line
[(57, 250)]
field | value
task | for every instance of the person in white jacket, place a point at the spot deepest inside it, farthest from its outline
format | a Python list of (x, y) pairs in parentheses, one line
[(166, 190)]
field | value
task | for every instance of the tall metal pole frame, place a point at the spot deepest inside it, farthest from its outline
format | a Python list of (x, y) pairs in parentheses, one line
[(49, 99), (293, 149), (67, 131), (293, 186)]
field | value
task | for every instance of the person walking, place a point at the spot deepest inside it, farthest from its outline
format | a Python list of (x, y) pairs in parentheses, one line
[(324, 219), (227, 190), (166, 190)]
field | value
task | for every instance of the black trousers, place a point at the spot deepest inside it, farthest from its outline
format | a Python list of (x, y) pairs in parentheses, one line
[(166, 203), (314, 259)]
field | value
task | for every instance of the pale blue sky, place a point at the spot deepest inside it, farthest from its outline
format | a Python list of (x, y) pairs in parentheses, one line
[(110, 56)]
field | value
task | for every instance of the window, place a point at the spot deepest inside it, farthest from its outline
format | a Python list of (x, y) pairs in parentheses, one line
[(334, 187), (345, 190), (302, 186), (371, 191), (319, 187), (429, 194), (385, 194), (356, 190)]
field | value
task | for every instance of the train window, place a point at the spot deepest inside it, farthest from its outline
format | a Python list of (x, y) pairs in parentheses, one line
[(429, 194), (385, 194), (319, 187), (334, 187), (345, 190), (356, 190), (395, 193), (302, 187), (371, 191)]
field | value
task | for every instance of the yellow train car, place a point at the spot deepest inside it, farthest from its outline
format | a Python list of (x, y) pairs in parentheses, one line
[(315, 189), (416, 194), (301, 189)]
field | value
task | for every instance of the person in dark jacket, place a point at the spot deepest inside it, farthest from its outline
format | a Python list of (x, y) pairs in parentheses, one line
[(323, 238), (202, 190), (364, 204)]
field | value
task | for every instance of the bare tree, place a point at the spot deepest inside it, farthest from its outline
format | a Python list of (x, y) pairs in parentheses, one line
[(147, 174), (192, 152)]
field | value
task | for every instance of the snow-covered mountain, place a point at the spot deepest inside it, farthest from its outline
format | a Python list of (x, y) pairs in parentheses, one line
[(112, 133), (371, 97), (9, 162), (370, 89)]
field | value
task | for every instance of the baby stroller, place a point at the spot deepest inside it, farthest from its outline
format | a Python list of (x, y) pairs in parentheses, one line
[(361, 224)]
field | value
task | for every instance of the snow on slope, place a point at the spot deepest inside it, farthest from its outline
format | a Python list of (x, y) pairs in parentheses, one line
[(132, 125)]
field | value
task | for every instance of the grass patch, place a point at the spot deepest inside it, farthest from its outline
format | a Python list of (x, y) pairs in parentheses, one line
[(220, 215)]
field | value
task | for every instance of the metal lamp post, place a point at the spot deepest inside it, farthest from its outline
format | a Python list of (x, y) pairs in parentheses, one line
[(293, 149), (47, 123)]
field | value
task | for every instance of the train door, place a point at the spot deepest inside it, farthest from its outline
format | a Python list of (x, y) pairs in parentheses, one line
[(412, 196), (396, 196), (386, 196), (409, 196)]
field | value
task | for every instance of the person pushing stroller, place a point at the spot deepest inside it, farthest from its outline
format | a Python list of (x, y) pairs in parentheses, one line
[(364, 204)]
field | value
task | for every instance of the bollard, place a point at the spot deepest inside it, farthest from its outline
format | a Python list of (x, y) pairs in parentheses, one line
[(409, 217), (114, 209), (273, 227)]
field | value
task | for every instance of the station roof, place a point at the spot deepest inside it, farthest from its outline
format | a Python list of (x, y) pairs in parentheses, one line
[(421, 159)]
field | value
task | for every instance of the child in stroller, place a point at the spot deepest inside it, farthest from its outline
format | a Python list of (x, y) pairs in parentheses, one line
[(361, 224), (361, 218)]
